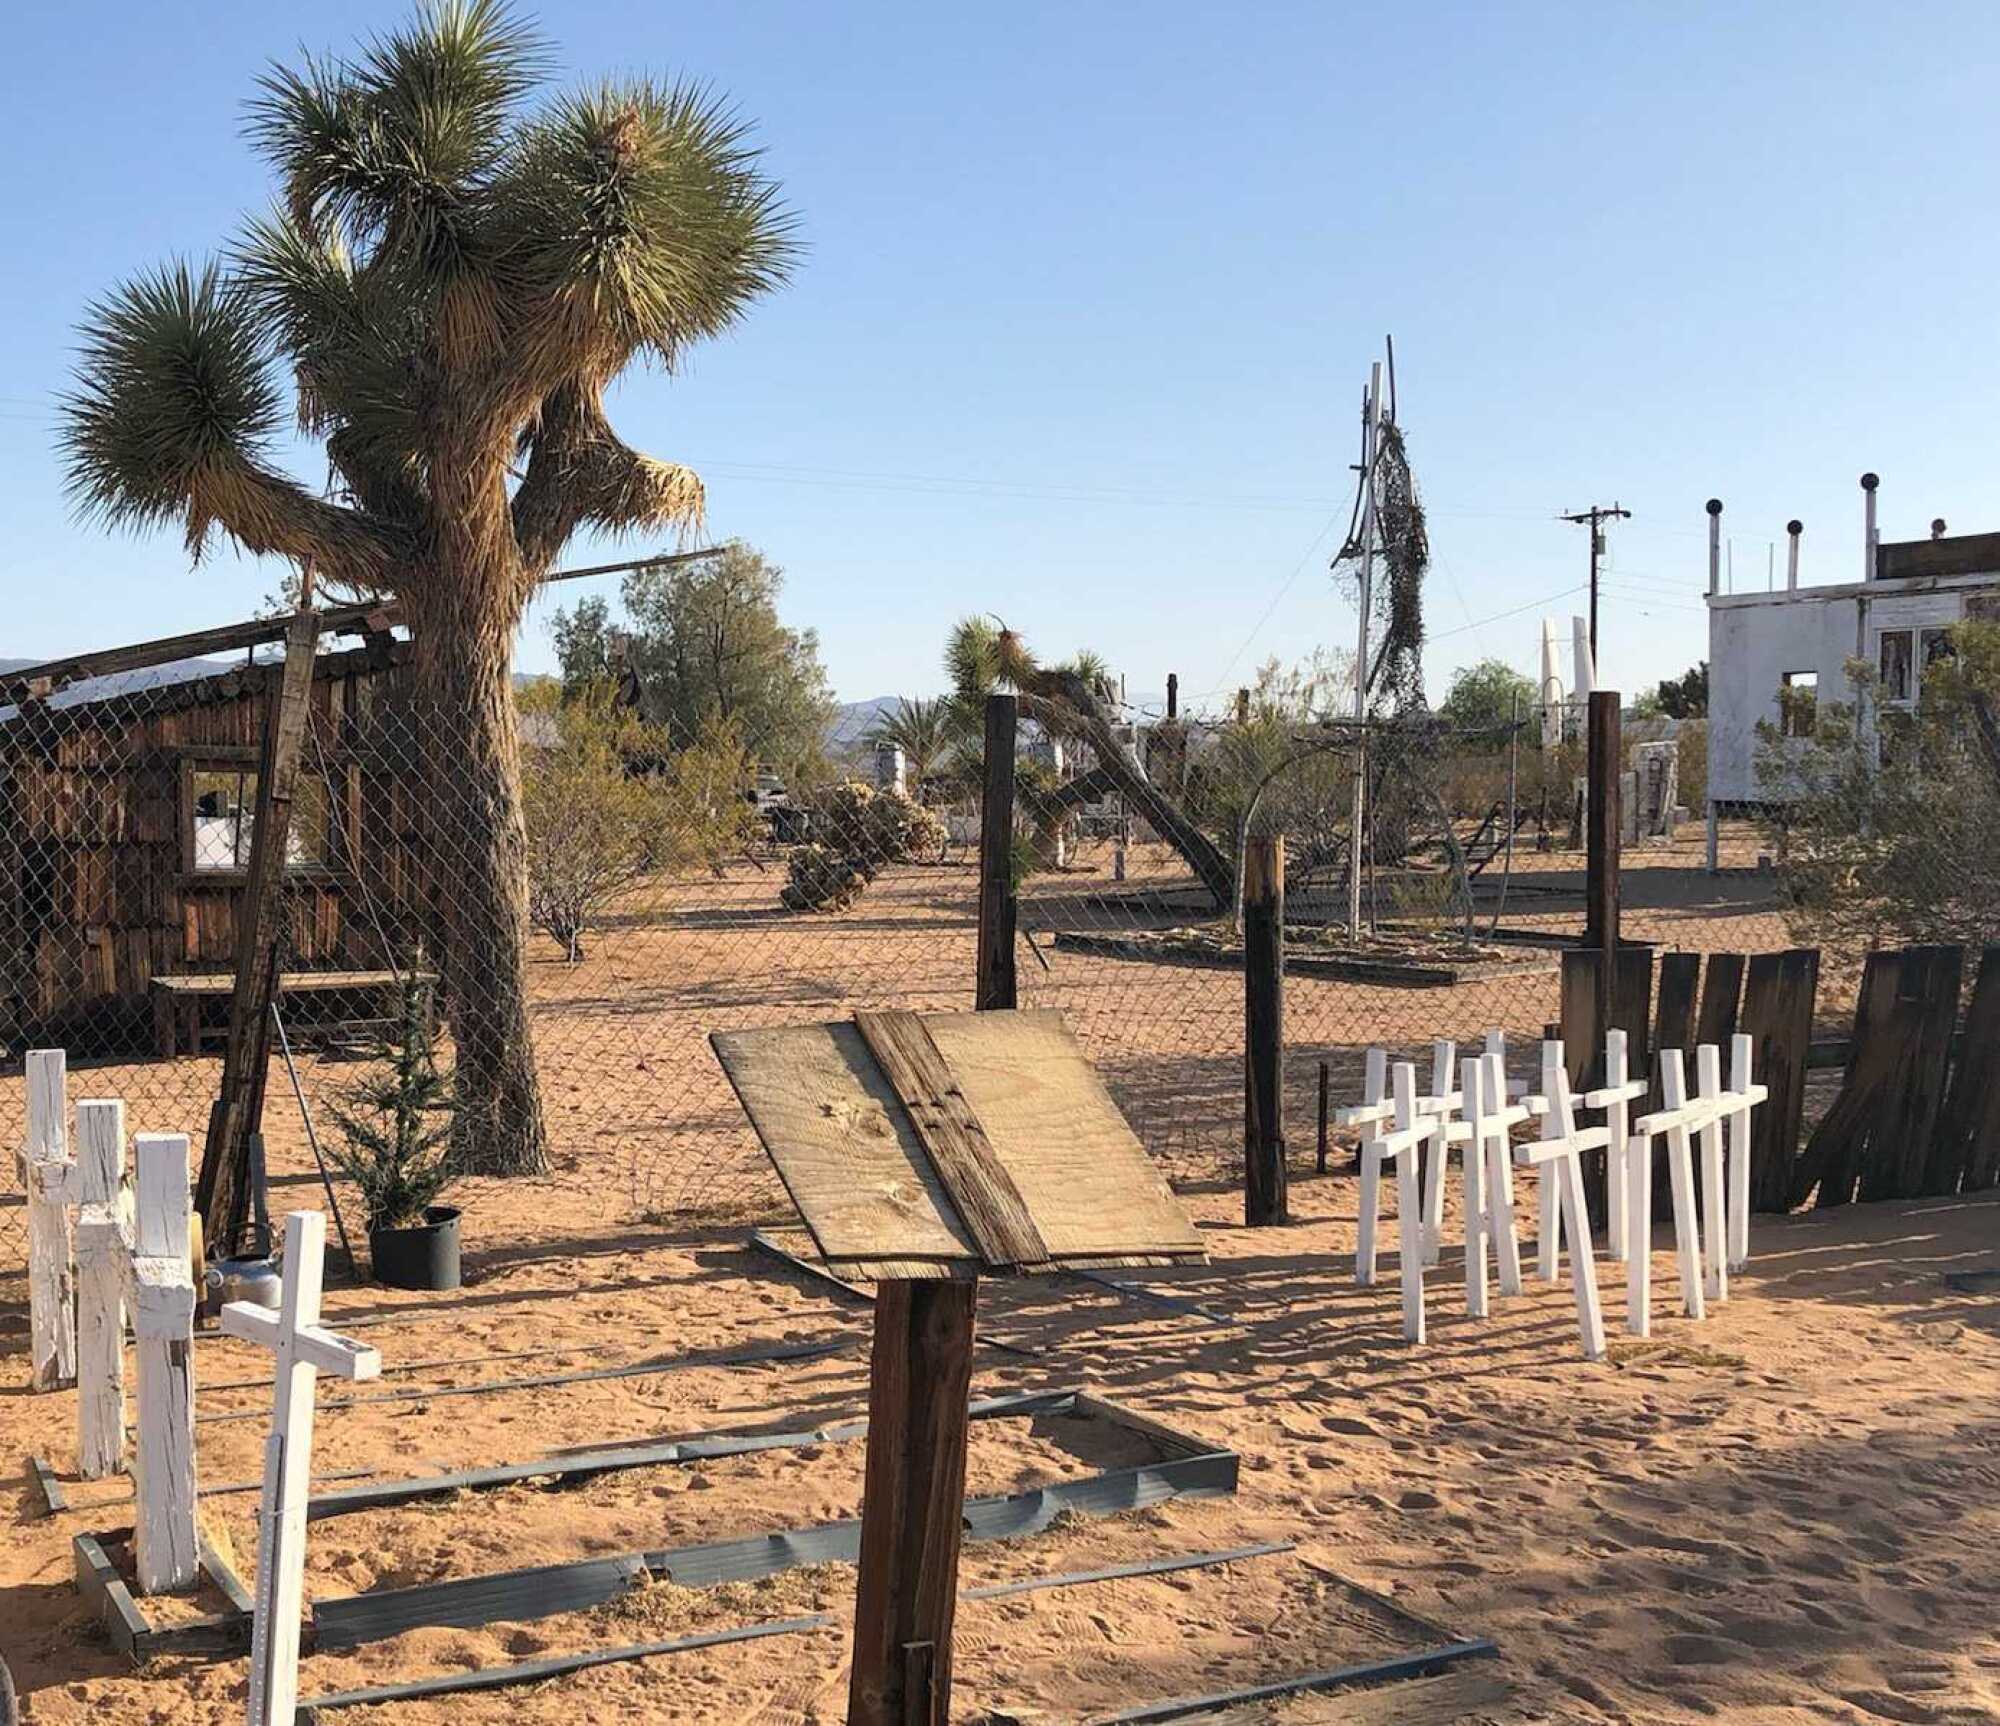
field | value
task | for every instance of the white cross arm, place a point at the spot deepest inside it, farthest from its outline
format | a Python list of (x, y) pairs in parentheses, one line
[(1743, 1098), (1547, 1150), (313, 1344), (1605, 1096), (1695, 1112), (1363, 1114), (1401, 1140)]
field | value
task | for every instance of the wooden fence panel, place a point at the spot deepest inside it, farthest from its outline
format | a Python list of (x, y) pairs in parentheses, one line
[(1778, 998), (1968, 1136)]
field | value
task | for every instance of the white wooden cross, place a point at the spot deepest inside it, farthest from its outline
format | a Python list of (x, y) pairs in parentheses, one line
[(1673, 1120), (1615, 1097), (48, 1178), (1743, 1096), (304, 1349), (1404, 1144), (1489, 1205), (1560, 1159), (1376, 1105), (103, 1253), (1714, 1177)]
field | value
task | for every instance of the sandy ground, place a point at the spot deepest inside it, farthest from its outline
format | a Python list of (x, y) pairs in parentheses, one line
[(1787, 1514)]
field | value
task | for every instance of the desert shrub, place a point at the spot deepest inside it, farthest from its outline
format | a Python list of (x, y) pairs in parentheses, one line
[(1885, 820), (820, 878), (608, 801), (856, 830)]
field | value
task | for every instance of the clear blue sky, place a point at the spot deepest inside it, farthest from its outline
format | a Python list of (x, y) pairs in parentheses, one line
[(1092, 290)]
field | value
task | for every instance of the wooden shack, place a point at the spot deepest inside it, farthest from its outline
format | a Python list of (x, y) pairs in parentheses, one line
[(127, 789)]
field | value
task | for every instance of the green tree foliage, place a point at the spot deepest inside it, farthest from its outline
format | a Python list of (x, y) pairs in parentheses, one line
[(458, 265), (926, 731), (609, 801), (395, 1123), (708, 646), (1488, 697), (1685, 696), (856, 830), (1886, 820)]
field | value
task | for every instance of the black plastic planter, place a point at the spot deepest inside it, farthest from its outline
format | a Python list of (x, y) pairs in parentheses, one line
[(422, 1257)]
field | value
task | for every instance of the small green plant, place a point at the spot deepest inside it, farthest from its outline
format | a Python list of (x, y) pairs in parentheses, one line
[(396, 1123)]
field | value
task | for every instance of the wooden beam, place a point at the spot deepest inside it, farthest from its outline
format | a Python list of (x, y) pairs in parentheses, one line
[(48, 1176), (999, 910), (368, 617), (977, 1182), (1265, 1198), (224, 1191), (907, 1592)]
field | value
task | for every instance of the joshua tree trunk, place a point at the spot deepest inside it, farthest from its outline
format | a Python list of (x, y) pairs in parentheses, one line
[(470, 747)]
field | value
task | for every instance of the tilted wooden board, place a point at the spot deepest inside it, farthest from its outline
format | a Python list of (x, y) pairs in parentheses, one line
[(856, 1166)]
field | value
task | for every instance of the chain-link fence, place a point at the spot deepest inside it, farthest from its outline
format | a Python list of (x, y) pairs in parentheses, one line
[(671, 884)]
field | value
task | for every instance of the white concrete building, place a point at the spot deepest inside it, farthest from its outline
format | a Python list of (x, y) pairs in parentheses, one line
[(1776, 656)]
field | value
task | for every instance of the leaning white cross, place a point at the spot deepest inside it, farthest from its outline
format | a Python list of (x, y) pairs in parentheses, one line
[(1674, 1120), (1615, 1097), (1404, 1145), (48, 1179), (304, 1348), (133, 1260), (1489, 1194), (1741, 1097), (1560, 1160)]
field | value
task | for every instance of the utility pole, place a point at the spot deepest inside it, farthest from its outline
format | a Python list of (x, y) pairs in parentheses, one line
[(1371, 437), (1597, 515)]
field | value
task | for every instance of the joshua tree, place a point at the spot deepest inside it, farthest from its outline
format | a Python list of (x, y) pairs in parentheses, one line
[(452, 279), (1073, 700)]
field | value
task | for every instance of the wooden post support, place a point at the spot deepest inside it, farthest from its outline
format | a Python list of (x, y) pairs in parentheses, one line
[(1320, 1144), (1601, 863), (906, 1592), (160, 1293), (999, 908), (1264, 1195), (304, 1349), (225, 1161), (48, 1177), (103, 1234)]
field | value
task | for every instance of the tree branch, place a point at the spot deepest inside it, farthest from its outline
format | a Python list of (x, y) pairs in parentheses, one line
[(579, 471), (267, 513)]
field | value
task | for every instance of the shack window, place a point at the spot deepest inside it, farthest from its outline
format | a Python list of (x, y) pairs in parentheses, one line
[(222, 818), (1798, 703), (1937, 644), (1897, 665)]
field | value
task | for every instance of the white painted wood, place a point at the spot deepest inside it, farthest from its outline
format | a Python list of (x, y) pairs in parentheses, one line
[(1514, 1090), (1500, 1227), (1548, 1208), (1745, 1095), (1714, 1192), (303, 1349), (101, 1252), (1615, 1097), (1375, 1106), (1565, 1175), (1674, 1120), (1477, 1212), (1639, 1234), (48, 1181), (160, 1294)]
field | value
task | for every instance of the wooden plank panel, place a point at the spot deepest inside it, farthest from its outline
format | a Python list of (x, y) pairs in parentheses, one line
[(1968, 1137), (843, 1146), (1722, 989), (1089, 1184), (981, 1190), (1673, 1020), (855, 1166)]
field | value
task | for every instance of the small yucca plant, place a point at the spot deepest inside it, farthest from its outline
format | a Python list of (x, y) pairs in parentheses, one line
[(396, 1123)]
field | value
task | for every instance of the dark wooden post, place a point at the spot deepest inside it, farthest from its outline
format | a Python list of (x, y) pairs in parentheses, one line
[(1600, 928), (1321, 1145), (920, 1376), (1264, 1198), (222, 1192), (993, 985)]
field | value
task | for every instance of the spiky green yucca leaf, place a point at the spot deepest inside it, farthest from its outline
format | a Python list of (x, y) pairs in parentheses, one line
[(453, 281)]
